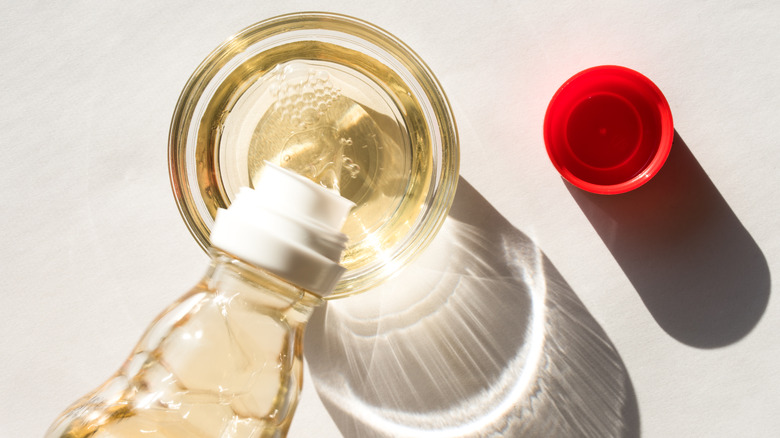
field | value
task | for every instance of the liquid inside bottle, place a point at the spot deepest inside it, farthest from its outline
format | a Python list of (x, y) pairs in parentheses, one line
[(225, 360)]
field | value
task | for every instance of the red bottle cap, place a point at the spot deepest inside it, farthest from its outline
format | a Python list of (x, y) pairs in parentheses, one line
[(608, 129)]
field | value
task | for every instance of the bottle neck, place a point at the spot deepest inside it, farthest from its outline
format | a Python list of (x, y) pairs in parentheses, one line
[(232, 277)]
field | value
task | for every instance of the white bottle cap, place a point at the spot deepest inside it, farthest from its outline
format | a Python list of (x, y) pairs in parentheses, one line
[(288, 225)]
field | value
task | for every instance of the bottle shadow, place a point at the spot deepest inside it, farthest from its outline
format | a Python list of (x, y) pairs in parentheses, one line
[(697, 269), (481, 336)]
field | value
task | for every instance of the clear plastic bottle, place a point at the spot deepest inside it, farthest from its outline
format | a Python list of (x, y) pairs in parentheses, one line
[(225, 360)]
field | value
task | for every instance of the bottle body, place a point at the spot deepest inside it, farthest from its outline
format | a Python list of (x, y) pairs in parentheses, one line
[(225, 360)]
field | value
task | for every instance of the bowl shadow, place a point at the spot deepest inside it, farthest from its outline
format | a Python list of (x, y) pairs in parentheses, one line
[(696, 268), (481, 336)]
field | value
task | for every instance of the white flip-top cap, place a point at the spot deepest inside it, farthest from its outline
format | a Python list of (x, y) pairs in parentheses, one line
[(288, 225)]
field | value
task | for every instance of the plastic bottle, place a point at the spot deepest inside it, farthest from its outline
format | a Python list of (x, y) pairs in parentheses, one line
[(225, 360)]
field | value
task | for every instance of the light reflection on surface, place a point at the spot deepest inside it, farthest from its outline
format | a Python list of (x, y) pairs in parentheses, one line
[(481, 336)]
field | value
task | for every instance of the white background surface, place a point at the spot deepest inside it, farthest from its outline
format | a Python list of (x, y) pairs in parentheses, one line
[(94, 247)]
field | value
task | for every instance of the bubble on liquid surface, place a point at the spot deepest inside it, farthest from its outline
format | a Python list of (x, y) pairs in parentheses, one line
[(302, 95), (352, 168)]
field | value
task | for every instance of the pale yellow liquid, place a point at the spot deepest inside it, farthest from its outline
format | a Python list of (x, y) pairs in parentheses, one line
[(223, 361), (334, 115)]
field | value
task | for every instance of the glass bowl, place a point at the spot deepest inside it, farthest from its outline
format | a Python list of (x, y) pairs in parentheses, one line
[(335, 99)]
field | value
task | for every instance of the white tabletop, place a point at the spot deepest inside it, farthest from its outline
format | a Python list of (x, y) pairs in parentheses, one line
[(539, 310)]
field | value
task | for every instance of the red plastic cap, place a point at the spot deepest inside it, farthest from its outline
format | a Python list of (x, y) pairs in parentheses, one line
[(608, 129)]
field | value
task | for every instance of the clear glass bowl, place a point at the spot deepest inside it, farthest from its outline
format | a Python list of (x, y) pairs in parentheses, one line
[(337, 100)]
